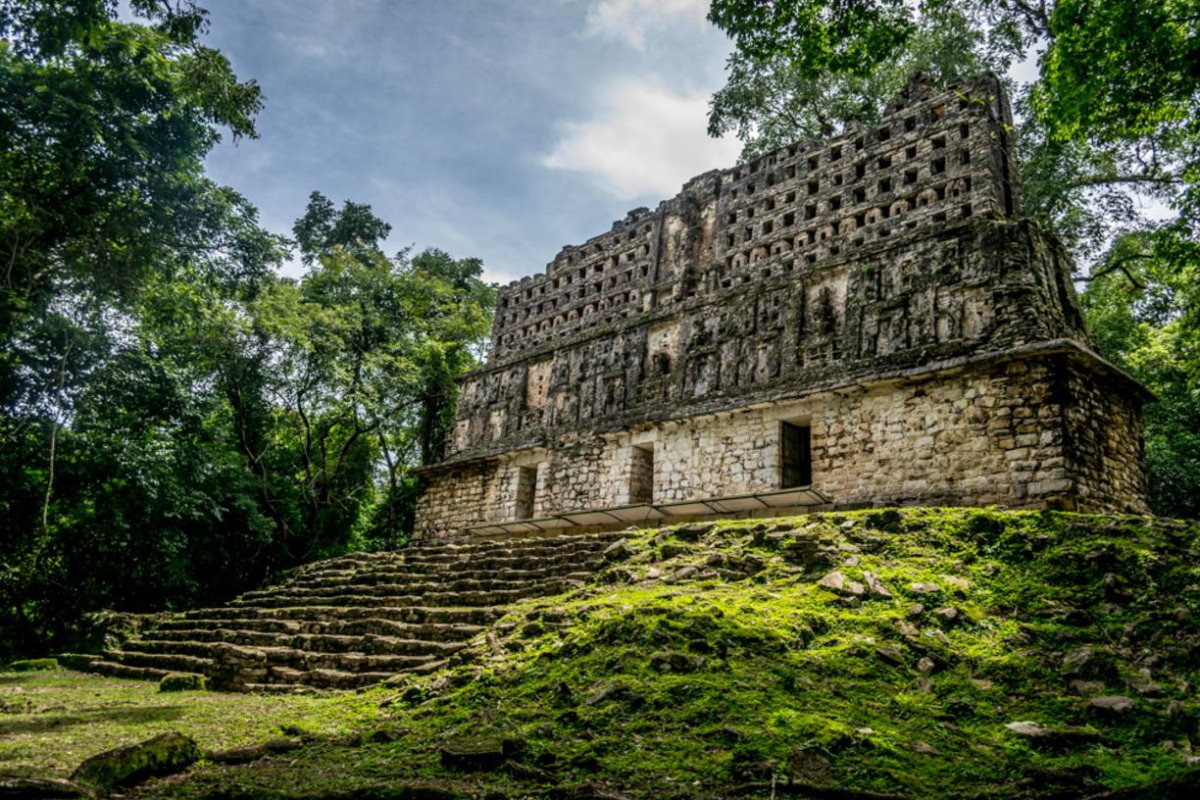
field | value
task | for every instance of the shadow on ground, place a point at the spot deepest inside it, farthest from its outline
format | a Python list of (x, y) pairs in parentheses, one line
[(41, 723)]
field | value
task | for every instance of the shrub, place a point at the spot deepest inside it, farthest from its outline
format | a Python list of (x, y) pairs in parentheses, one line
[(181, 682)]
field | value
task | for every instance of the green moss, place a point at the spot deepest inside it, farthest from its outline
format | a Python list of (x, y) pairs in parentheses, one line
[(33, 665), (78, 661), (162, 755), (53, 720), (181, 682), (748, 669)]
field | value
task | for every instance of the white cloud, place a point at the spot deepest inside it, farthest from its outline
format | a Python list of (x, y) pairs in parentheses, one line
[(629, 20), (644, 140)]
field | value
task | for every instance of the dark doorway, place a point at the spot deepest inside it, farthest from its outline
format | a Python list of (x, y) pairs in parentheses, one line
[(641, 475), (526, 491), (796, 449)]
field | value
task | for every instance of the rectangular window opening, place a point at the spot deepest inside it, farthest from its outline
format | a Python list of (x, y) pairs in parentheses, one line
[(796, 455)]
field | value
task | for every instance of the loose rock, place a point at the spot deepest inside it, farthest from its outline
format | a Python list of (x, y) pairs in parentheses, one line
[(875, 586), (947, 614), (1112, 705), (244, 755), (618, 550), (837, 583), (470, 753), (1040, 735), (919, 746), (162, 755), (1074, 662)]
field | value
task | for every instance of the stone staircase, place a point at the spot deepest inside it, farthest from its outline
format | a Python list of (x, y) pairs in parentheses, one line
[(359, 619)]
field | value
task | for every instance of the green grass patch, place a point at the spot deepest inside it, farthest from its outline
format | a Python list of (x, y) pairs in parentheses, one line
[(33, 665), (51, 721)]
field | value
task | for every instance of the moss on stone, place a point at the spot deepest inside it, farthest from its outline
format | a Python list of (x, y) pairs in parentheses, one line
[(726, 664), (181, 682), (79, 661), (33, 665), (162, 755)]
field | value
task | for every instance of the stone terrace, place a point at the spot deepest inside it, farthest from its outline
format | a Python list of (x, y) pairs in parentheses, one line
[(359, 619)]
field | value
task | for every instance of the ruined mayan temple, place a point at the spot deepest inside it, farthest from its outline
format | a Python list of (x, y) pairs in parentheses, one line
[(863, 321)]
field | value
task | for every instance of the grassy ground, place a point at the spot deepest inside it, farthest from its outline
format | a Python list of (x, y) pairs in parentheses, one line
[(718, 659), (51, 721)]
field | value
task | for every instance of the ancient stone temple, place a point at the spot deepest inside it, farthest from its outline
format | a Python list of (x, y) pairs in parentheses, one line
[(862, 321)]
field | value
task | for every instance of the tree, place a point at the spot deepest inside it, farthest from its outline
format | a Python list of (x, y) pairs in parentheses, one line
[(1133, 303), (177, 421), (349, 376), (104, 129), (109, 462), (322, 228), (775, 98)]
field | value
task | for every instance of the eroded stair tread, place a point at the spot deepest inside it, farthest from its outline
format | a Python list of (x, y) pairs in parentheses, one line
[(358, 619)]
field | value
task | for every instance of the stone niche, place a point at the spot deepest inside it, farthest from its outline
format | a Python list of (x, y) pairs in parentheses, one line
[(883, 287)]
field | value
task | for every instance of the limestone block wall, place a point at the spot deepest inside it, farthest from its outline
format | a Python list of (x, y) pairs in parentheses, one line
[(1105, 442), (1040, 431)]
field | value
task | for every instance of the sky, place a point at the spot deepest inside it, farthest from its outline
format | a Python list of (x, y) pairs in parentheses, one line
[(499, 129)]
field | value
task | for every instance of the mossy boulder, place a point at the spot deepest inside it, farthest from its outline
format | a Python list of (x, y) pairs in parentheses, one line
[(76, 661), (181, 682), (162, 755), (476, 752)]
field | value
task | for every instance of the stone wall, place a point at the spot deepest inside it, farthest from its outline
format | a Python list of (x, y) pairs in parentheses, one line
[(969, 288), (1023, 431), (1105, 441), (890, 245)]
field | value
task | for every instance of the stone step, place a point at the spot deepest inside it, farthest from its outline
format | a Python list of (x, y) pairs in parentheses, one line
[(511, 557), (519, 543), (341, 679), (573, 571), (307, 661), (114, 669), (413, 615), (437, 599), (202, 642), (399, 589), (361, 618), (184, 629), (454, 565), (533, 546), (166, 662), (274, 688)]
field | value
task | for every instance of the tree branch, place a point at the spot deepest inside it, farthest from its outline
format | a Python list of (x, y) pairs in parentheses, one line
[(1102, 180), (1120, 264)]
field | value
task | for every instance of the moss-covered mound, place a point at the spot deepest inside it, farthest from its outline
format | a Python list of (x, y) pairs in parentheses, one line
[(915, 653)]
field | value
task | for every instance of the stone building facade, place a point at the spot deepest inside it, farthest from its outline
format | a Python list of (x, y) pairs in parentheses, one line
[(869, 319)]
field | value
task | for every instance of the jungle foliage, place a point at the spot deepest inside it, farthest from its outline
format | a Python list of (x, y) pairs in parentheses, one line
[(177, 420), (1108, 127)]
